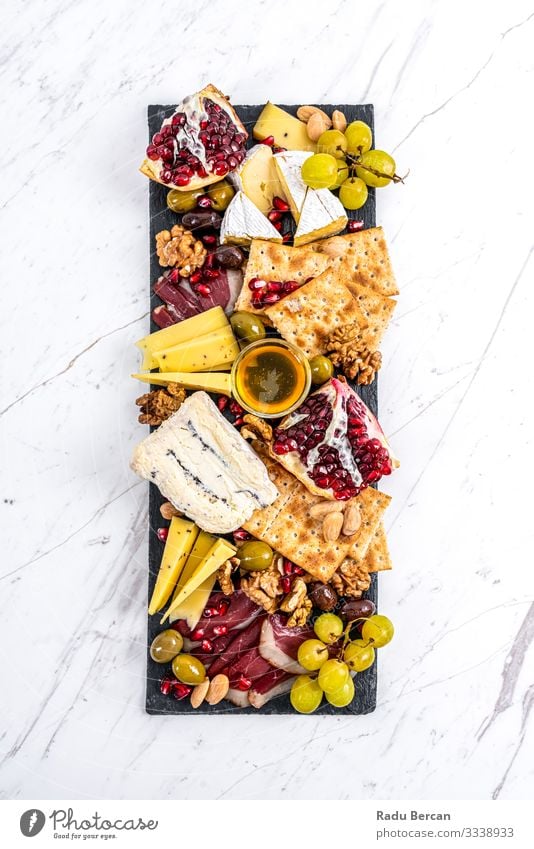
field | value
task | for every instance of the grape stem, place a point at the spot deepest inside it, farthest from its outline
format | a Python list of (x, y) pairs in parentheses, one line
[(346, 634), (355, 161)]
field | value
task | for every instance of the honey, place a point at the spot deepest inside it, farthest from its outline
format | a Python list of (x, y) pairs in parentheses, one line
[(271, 377)]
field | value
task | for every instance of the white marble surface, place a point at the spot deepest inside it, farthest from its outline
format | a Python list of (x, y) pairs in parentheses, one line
[(451, 83)]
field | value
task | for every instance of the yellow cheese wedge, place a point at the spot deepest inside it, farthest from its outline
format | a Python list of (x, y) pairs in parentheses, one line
[(322, 215), (182, 535), (191, 609), (206, 322), (288, 131), (220, 551), (200, 353), (257, 178), (218, 381)]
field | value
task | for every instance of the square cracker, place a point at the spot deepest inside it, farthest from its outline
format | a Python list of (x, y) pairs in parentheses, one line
[(291, 530), (361, 257), (308, 316), (377, 557), (377, 310)]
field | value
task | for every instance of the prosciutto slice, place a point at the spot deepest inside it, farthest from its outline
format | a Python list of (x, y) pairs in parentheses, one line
[(241, 642), (279, 644), (274, 683), (180, 303), (249, 665), (241, 612)]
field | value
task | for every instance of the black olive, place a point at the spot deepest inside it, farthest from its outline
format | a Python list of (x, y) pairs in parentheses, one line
[(229, 256), (323, 596), (199, 220), (357, 609)]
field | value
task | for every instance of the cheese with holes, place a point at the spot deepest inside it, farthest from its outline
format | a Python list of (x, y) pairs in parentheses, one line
[(257, 178), (210, 381), (192, 608), (288, 131), (206, 322), (182, 535), (204, 467), (243, 222), (200, 353), (219, 552), (322, 215), (289, 166)]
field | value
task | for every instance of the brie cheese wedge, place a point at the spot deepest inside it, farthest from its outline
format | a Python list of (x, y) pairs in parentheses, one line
[(257, 177), (322, 215), (289, 165), (202, 465), (243, 222)]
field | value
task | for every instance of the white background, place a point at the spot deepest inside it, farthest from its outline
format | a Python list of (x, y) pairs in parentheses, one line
[(451, 83)]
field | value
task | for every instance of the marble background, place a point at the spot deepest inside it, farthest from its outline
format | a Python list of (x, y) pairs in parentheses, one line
[(451, 83)]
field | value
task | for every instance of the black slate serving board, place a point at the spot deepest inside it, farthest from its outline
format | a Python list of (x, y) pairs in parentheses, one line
[(161, 218)]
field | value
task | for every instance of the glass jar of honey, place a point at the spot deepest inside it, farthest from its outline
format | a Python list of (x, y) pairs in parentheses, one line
[(271, 378)]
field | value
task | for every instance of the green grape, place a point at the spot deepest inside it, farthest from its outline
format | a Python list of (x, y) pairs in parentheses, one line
[(306, 695), (328, 628), (359, 137), (342, 174), (353, 193), (380, 161), (332, 675), (332, 142), (378, 629), (342, 697), (312, 654), (319, 171), (358, 655), (188, 669)]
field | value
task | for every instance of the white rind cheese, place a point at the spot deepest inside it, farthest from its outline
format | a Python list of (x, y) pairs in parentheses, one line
[(243, 222), (204, 467), (289, 166), (322, 215)]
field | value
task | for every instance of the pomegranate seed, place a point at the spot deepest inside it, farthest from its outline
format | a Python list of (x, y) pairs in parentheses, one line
[(197, 634), (241, 534), (202, 289), (373, 477), (220, 630), (157, 139), (269, 141), (278, 226), (173, 276), (288, 566), (286, 583), (152, 152), (204, 202), (181, 180), (181, 691), (223, 606), (203, 124), (210, 611), (210, 261), (209, 240), (271, 298), (166, 685), (195, 277), (220, 168), (290, 286), (286, 238), (236, 408), (354, 226), (166, 154), (162, 533), (280, 204), (212, 273), (256, 283), (297, 570), (165, 175), (206, 646), (222, 403), (239, 421), (274, 286), (244, 684), (275, 215)]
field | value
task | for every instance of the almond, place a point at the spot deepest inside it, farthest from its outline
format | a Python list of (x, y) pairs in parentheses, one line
[(324, 507), (167, 510), (199, 693), (218, 689), (304, 113), (317, 124), (352, 520), (339, 122), (332, 524)]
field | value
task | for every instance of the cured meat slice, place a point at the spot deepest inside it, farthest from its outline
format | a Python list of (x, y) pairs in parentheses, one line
[(179, 301), (250, 665), (241, 642), (279, 644), (274, 683), (240, 613)]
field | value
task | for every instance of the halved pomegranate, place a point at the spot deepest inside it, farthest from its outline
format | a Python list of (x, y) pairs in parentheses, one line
[(333, 444), (199, 144)]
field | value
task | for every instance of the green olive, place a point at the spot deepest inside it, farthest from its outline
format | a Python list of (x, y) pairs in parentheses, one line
[(247, 326), (183, 201), (220, 195), (166, 645), (321, 369), (255, 556), (188, 669)]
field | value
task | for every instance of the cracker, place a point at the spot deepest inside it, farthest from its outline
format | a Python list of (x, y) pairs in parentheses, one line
[(377, 310), (308, 316), (361, 257), (377, 557)]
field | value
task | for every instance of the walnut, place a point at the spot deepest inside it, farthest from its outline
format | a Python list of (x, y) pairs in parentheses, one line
[(158, 405), (257, 428), (351, 579), (301, 614), (297, 603), (179, 248), (347, 351), (224, 575), (264, 588)]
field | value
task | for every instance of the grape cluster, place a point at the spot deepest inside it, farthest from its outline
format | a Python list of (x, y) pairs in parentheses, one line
[(334, 666), (345, 161)]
